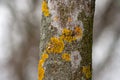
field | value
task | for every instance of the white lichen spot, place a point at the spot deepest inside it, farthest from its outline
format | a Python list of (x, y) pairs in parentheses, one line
[(53, 8), (43, 36), (74, 16), (75, 60), (73, 13)]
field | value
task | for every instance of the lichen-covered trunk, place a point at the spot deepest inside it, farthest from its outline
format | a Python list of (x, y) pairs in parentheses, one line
[(66, 40)]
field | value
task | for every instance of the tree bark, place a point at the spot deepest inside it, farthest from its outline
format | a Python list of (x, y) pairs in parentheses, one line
[(66, 40)]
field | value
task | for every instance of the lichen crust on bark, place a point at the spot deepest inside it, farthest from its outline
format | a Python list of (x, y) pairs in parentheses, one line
[(66, 37)]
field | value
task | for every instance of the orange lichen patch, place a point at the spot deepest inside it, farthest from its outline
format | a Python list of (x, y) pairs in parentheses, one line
[(55, 46), (41, 62), (44, 56), (55, 18), (45, 9), (69, 19), (66, 32), (41, 70), (78, 32), (66, 57), (86, 71), (67, 35), (71, 35)]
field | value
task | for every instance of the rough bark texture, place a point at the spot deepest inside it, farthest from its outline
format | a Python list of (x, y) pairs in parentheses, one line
[(73, 21)]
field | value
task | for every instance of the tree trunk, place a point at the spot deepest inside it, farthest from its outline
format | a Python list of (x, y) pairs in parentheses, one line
[(66, 40)]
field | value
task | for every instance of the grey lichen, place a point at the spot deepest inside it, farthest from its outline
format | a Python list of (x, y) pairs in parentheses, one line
[(56, 69), (75, 60)]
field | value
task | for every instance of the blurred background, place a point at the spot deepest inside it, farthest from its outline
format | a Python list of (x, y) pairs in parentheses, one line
[(106, 40), (19, 40)]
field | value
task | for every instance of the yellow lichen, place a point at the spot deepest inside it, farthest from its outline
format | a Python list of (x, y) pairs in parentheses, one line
[(45, 9), (67, 35), (78, 32), (44, 56), (66, 57), (41, 70), (41, 62), (86, 71), (55, 46)]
